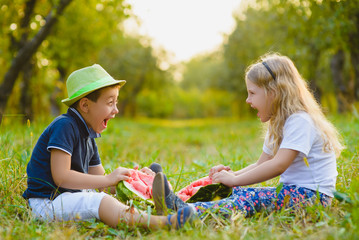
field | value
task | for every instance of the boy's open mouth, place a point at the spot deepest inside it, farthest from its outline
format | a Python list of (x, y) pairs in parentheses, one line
[(104, 123)]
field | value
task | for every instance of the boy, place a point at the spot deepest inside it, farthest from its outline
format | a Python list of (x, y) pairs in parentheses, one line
[(65, 161)]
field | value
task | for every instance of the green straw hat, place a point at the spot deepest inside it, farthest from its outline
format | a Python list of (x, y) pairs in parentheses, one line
[(86, 80)]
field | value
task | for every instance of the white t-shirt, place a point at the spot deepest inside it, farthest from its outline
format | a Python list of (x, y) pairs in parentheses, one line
[(300, 134)]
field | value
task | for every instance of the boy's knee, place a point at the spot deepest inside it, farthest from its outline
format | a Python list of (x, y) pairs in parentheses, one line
[(110, 210)]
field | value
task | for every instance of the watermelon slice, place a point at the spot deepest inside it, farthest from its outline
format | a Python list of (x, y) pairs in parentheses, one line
[(203, 190), (139, 187), (192, 189)]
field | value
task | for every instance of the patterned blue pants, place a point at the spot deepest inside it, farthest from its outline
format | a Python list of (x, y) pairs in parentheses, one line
[(252, 200)]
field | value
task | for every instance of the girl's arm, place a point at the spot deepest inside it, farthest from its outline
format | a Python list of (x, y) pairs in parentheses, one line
[(266, 170), (263, 158), (64, 177)]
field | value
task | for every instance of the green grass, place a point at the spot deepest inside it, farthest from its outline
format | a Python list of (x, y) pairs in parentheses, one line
[(187, 149)]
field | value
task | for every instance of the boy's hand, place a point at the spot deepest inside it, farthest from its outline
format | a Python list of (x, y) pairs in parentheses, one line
[(119, 174), (224, 177), (218, 168)]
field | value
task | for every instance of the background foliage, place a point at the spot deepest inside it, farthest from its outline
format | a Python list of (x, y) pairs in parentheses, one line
[(320, 36)]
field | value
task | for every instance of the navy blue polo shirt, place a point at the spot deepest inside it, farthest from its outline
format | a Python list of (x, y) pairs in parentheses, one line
[(69, 133)]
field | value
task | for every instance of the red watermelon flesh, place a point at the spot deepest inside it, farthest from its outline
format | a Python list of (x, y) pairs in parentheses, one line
[(190, 190), (141, 182)]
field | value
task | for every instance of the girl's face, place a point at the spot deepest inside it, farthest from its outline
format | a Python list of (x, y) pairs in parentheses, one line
[(259, 100), (101, 111)]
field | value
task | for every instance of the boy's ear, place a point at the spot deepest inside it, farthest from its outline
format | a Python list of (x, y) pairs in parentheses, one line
[(84, 104)]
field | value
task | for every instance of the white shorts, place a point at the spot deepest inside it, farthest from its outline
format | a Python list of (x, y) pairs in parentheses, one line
[(68, 206)]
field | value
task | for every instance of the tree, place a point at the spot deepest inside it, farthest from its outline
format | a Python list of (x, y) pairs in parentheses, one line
[(311, 32), (75, 41), (204, 72), (85, 29), (27, 47), (345, 60), (128, 59), (257, 32)]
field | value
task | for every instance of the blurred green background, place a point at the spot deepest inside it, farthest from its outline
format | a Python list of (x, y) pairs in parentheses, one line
[(42, 42)]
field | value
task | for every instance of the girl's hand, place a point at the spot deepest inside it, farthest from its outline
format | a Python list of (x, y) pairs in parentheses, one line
[(118, 174), (224, 177), (148, 171), (145, 170), (218, 168)]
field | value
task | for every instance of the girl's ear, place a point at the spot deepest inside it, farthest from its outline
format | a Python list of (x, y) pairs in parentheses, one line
[(270, 98), (84, 104), (271, 94)]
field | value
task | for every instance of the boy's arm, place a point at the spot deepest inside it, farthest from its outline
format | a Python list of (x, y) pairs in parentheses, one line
[(97, 170), (64, 177)]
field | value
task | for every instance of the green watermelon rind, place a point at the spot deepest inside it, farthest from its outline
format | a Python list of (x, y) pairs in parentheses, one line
[(210, 192), (125, 192)]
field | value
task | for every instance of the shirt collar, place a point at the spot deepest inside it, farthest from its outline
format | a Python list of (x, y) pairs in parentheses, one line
[(91, 132)]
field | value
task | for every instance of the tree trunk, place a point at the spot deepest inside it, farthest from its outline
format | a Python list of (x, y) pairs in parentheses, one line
[(355, 63), (25, 53), (354, 55), (26, 92), (353, 43), (55, 107), (341, 90), (316, 90), (312, 78)]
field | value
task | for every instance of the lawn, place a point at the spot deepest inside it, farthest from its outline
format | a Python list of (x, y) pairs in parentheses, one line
[(187, 149)]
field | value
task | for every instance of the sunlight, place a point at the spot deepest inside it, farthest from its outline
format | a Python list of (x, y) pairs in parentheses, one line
[(184, 28)]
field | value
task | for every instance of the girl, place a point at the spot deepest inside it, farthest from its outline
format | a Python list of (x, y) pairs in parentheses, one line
[(300, 145)]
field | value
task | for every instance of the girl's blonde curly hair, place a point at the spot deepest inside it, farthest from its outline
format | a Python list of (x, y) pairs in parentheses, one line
[(292, 95)]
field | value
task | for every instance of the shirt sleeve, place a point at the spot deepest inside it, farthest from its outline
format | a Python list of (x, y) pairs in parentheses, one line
[(63, 136), (298, 134), (266, 147)]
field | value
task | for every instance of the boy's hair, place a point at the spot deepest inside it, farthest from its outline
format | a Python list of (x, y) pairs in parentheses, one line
[(291, 95), (94, 96)]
